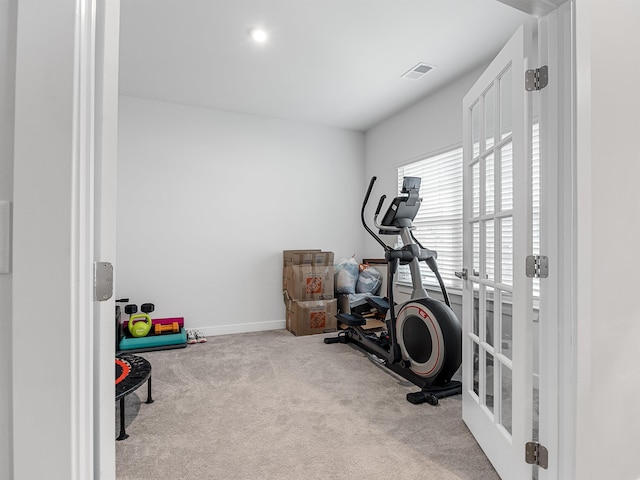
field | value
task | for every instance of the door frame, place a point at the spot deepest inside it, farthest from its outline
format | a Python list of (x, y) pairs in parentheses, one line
[(562, 307), (556, 49), (64, 120), (558, 214), (107, 49)]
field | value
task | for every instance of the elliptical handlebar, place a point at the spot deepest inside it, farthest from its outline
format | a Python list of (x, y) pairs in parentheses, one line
[(368, 194), (362, 217), (382, 199)]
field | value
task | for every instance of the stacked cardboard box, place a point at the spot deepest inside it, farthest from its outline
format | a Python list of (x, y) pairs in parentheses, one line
[(307, 283)]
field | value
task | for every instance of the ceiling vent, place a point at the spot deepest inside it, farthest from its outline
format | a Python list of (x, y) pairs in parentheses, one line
[(418, 71)]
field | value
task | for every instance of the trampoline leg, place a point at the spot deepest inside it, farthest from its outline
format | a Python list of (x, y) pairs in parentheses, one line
[(149, 399), (123, 435)]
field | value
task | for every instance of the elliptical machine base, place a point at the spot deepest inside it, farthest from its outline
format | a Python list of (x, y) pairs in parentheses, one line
[(420, 345)]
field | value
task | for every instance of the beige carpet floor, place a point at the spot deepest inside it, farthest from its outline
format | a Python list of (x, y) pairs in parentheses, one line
[(270, 405)]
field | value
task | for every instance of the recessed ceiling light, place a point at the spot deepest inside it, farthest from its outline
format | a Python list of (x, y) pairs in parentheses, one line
[(259, 35)]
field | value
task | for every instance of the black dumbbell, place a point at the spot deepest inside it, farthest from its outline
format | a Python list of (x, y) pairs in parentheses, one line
[(147, 307)]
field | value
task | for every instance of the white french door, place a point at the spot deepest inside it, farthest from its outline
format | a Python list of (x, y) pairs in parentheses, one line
[(497, 294)]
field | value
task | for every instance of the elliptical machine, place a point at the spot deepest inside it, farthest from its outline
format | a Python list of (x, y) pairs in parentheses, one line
[(423, 337)]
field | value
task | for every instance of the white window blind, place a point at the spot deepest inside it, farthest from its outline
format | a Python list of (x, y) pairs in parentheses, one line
[(439, 221)]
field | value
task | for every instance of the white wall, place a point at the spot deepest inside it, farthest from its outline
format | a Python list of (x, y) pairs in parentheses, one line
[(207, 201), (429, 126), (608, 236), (8, 9)]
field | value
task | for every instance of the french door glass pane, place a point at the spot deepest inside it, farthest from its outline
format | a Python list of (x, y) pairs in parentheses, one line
[(505, 105), (489, 235), (506, 251), (506, 177), (476, 310), (506, 324), (475, 129), (476, 368), (475, 228), (489, 333), (489, 383), (489, 184), (506, 388), (489, 116), (475, 189)]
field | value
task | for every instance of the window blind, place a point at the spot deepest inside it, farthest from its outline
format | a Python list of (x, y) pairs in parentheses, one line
[(439, 221)]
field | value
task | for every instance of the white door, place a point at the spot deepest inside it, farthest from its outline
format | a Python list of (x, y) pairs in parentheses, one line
[(497, 300)]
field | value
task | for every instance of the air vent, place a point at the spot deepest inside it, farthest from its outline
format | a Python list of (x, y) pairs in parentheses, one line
[(418, 71)]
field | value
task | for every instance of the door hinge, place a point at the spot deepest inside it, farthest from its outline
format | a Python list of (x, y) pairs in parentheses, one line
[(536, 79), (102, 281), (537, 266), (536, 454)]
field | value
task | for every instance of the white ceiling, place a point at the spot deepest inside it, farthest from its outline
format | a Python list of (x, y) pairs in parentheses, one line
[(330, 62)]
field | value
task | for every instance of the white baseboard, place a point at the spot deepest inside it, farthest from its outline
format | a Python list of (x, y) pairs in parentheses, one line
[(242, 328)]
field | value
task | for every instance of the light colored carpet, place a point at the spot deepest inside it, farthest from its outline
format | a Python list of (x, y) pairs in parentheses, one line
[(269, 405)]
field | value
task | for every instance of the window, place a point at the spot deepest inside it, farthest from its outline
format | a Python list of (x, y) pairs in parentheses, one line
[(439, 221)]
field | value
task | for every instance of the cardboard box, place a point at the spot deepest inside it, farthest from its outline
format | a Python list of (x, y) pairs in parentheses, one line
[(311, 317), (309, 282), (306, 257), (308, 274), (295, 257), (298, 257)]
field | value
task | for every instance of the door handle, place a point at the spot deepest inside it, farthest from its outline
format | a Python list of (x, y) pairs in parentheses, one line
[(464, 274)]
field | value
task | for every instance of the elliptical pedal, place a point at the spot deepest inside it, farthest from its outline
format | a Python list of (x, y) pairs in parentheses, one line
[(351, 320), (379, 303), (341, 338)]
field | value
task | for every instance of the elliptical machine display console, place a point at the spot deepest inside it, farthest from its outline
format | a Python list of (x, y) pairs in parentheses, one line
[(423, 337)]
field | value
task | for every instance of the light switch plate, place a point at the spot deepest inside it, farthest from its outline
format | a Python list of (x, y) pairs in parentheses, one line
[(5, 236)]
